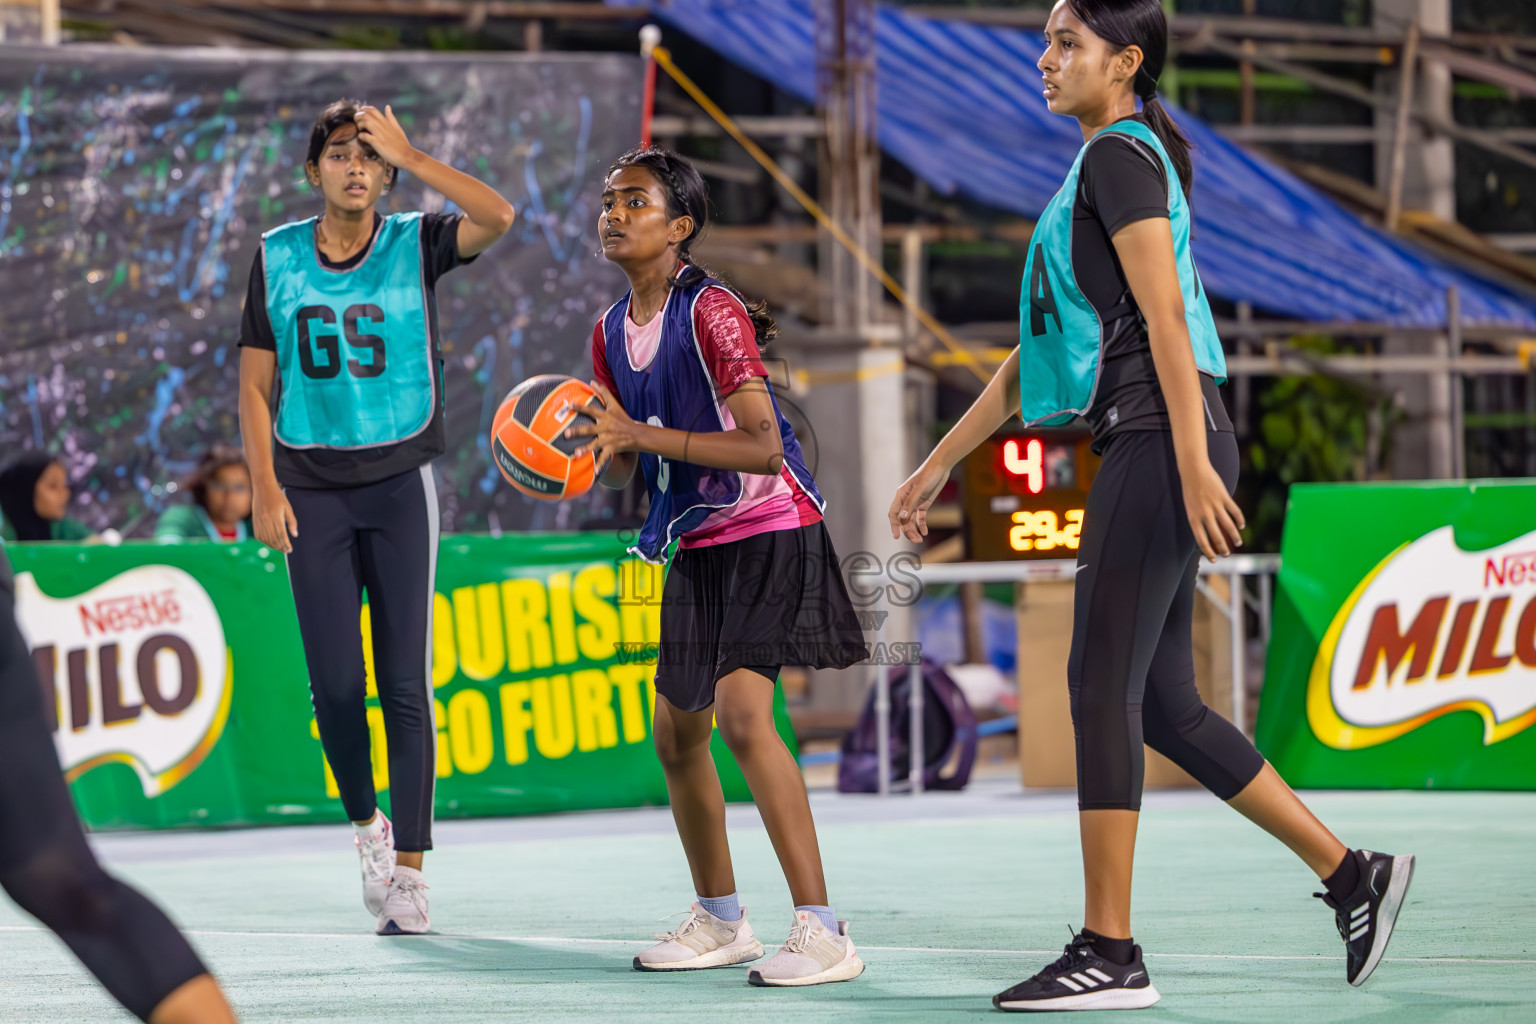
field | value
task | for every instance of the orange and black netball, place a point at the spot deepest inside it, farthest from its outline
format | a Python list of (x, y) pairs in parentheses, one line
[(528, 438)]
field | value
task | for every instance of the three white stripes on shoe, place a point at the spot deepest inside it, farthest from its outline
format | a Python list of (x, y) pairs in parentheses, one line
[(815, 953), (1082, 980)]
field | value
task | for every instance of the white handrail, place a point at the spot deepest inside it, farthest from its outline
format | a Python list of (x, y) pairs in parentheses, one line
[(1047, 569), (1234, 567)]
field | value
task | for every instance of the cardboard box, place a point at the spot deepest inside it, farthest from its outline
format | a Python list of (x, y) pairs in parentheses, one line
[(1047, 752)]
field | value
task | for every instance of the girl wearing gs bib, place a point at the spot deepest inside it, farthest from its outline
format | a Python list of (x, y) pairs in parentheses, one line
[(755, 583), (341, 412), (1114, 326)]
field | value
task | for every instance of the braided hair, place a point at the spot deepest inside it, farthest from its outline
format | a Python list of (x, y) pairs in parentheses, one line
[(687, 196)]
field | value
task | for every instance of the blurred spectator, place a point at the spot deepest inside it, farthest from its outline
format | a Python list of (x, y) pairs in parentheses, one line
[(221, 501), (34, 497)]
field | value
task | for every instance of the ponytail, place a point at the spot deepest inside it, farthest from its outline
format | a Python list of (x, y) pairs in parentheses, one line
[(1173, 139), (688, 197), (763, 324), (1142, 23)]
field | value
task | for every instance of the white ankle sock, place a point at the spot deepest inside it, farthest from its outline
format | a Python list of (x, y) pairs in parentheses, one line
[(404, 872), (373, 830)]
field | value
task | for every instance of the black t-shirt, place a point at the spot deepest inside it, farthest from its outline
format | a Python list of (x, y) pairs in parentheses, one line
[(326, 469), (1120, 182)]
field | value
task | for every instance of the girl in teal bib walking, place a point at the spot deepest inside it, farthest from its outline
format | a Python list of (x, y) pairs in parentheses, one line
[(1114, 327), (341, 412)]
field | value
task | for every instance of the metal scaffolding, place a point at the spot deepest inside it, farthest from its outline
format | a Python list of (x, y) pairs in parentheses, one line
[(850, 166)]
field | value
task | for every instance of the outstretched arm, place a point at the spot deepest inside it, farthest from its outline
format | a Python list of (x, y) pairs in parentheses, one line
[(487, 216), (998, 403)]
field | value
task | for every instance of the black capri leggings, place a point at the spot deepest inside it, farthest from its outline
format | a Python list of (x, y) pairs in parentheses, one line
[(1132, 673), (46, 865), (381, 538)]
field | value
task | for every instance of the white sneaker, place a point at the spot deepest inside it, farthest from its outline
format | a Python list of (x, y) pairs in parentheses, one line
[(811, 955), (703, 940), (405, 908), (377, 855)]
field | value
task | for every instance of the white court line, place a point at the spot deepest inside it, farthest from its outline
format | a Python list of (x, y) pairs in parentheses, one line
[(641, 944)]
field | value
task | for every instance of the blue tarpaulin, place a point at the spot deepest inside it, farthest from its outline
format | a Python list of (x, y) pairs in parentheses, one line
[(960, 105)]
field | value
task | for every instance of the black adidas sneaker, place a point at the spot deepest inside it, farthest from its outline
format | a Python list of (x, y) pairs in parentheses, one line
[(1082, 980), (1366, 917)]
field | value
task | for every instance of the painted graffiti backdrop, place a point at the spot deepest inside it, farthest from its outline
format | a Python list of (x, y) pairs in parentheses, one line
[(134, 188)]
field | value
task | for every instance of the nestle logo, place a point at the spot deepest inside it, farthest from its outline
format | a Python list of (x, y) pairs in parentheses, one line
[(1420, 638), (1510, 571), (137, 611)]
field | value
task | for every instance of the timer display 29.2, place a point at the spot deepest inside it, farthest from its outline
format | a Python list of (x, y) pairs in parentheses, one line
[(1044, 531), (1024, 496)]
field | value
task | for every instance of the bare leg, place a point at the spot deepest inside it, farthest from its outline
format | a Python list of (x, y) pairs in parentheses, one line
[(1270, 804), (1109, 847), (744, 706), (1109, 850), (199, 1001), (693, 786)]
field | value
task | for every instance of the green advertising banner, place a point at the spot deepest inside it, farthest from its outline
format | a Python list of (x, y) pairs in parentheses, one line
[(180, 695), (1404, 646)]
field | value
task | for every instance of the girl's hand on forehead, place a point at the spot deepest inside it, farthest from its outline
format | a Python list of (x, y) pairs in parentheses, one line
[(381, 132)]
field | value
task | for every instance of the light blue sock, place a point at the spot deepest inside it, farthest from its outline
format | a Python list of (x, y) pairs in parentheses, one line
[(826, 915), (726, 908)]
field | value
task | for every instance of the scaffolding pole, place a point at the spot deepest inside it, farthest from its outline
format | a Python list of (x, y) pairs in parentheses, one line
[(845, 92)]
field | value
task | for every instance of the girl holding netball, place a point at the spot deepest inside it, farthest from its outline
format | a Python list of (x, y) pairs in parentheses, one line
[(1115, 327), (754, 584), (342, 317)]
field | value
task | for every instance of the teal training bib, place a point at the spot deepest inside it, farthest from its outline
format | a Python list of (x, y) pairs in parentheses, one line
[(354, 354), (1060, 336)]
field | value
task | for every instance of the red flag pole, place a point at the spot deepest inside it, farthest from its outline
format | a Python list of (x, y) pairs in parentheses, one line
[(650, 38)]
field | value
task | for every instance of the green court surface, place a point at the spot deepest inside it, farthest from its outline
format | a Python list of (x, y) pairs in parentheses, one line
[(952, 897)]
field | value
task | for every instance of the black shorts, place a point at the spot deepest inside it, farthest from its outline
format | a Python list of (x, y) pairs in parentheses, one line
[(764, 601)]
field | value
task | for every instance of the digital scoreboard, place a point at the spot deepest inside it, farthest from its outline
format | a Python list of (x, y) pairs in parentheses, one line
[(1023, 495)]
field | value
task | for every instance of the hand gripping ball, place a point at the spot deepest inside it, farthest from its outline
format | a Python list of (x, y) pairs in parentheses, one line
[(528, 438)]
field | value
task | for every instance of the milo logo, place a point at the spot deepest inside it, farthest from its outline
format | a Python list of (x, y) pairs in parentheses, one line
[(134, 671), (1431, 630)]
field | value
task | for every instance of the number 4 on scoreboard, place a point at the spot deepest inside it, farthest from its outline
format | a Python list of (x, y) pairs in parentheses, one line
[(1031, 467)]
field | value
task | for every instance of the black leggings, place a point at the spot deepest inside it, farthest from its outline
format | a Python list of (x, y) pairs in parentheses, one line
[(46, 865), (381, 538), (1132, 673)]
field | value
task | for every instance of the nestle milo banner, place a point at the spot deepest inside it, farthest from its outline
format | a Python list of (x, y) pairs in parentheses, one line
[(1404, 644), (177, 686)]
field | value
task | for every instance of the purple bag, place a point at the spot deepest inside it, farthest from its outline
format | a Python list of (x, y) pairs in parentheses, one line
[(949, 726)]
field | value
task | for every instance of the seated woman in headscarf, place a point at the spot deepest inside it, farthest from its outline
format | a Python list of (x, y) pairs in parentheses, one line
[(220, 509), (34, 500)]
